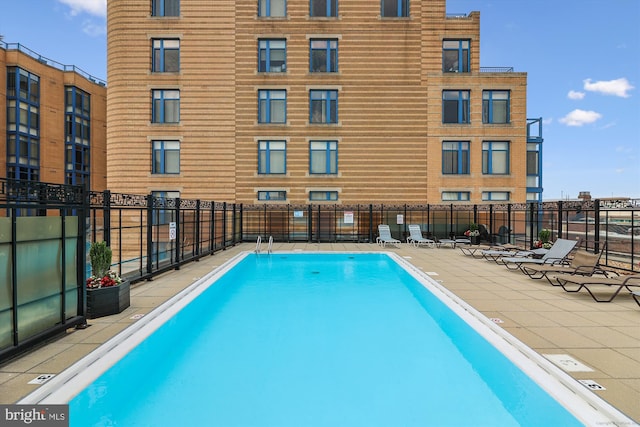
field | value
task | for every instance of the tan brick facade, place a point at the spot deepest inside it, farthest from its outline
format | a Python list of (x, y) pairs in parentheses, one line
[(390, 110), (53, 82)]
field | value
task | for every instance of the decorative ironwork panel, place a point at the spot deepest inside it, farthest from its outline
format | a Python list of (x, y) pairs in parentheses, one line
[(188, 204), (130, 200)]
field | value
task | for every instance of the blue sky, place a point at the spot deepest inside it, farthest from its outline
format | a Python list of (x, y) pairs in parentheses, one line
[(582, 58)]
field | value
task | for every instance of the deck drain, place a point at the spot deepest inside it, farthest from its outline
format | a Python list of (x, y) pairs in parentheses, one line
[(568, 363), (41, 379), (592, 385), (496, 320), (137, 316)]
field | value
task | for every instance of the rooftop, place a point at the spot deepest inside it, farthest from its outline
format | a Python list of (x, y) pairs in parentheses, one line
[(603, 336)]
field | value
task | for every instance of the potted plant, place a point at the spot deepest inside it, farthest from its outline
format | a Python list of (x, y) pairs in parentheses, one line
[(107, 293), (544, 237), (473, 233)]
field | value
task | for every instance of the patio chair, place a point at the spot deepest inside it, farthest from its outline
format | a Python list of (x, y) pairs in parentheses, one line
[(384, 236), (453, 242), (616, 283), (583, 263), (415, 237), (477, 251), (505, 251), (557, 254)]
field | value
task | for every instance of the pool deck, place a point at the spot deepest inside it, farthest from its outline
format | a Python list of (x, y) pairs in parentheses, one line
[(603, 336)]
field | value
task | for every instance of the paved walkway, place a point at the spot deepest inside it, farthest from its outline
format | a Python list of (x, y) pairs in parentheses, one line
[(602, 336)]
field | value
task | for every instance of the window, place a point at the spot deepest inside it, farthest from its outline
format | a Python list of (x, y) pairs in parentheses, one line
[(272, 195), (272, 56), (455, 106), (323, 56), (323, 106), (166, 106), (455, 56), (323, 157), (323, 7), (166, 56), (323, 196), (394, 8), (77, 136), (272, 8), (272, 157), (23, 125), (533, 165), (495, 158), (495, 106), (502, 196), (455, 158), (166, 157), (166, 8), (455, 196), (272, 106)]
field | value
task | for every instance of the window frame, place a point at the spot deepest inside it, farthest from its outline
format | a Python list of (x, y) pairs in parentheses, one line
[(159, 8), (330, 52), (489, 106), (265, 165), (267, 6), (463, 105), (268, 52), (489, 150), (159, 61), (329, 7), (164, 148), (463, 56), (401, 8), (265, 195), (268, 102), (330, 152), (460, 196), (462, 158), (323, 196), (327, 99), (489, 196), (160, 103)]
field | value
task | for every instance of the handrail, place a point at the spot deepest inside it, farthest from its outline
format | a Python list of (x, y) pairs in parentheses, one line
[(269, 248), (258, 244)]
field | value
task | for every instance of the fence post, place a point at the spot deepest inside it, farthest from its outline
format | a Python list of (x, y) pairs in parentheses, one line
[(560, 219), (149, 233), (241, 222), (531, 221), (370, 223), (196, 239), (179, 254), (106, 214), (596, 230), (224, 225)]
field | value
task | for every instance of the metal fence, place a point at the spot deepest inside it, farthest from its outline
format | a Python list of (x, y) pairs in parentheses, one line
[(151, 235)]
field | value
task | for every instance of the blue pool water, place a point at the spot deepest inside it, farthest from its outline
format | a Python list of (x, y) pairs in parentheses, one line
[(307, 340)]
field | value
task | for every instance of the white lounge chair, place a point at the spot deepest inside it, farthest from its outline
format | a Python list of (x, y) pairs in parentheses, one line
[(415, 237), (384, 236), (557, 254)]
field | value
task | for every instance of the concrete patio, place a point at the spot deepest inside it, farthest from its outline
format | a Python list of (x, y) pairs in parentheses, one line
[(603, 336)]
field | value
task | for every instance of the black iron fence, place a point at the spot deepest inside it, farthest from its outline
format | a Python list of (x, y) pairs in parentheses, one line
[(151, 235), (47, 229)]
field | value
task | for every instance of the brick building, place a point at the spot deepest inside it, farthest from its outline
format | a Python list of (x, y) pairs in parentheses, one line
[(53, 120), (275, 101)]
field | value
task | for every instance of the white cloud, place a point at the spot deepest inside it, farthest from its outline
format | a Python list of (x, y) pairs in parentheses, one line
[(580, 117), (92, 7), (575, 95), (618, 87), (92, 29)]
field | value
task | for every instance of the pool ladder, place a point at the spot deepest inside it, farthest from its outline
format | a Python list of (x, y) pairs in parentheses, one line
[(259, 245)]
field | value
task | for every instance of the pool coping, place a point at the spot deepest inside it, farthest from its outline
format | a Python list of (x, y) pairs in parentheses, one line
[(587, 407)]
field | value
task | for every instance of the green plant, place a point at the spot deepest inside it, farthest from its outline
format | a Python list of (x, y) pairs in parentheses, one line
[(473, 226), (544, 235), (100, 256)]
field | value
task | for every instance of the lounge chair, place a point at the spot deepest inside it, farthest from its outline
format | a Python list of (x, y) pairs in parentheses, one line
[(453, 242), (415, 237), (583, 263), (384, 236), (617, 283), (557, 254), (636, 296), (506, 251), (477, 251)]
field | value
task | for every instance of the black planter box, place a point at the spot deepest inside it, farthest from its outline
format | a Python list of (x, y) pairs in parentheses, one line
[(107, 301)]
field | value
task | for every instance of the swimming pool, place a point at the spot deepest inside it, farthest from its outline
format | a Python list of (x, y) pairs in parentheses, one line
[(318, 340)]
